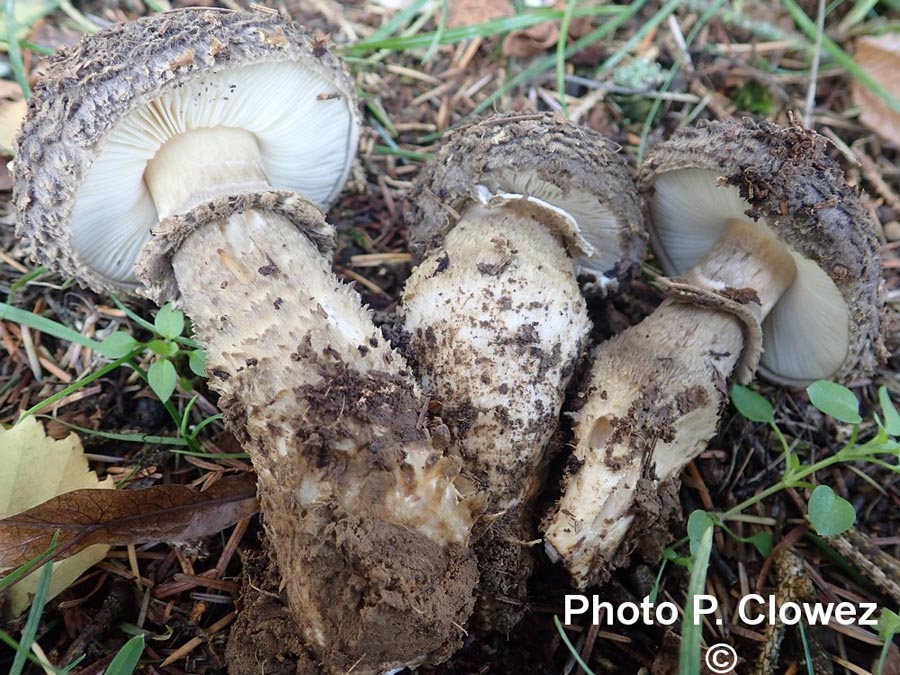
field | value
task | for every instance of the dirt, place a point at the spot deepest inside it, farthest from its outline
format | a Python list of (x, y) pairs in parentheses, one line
[(381, 590), (369, 592), (267, 641)]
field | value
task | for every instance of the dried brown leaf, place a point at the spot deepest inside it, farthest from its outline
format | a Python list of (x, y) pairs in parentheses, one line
[(531, 41), (470, 12), (33, 469), (120, 517), (879, 57)]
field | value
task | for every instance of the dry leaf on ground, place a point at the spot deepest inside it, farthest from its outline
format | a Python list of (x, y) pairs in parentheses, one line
[(154, 514), (470, 12), (531, 41), (538, 39), (879, 57), (12, 112), (33, 469)]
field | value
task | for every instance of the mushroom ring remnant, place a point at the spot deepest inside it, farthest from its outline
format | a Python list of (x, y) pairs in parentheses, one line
[(752, 216), (504, 216), (364, 515)]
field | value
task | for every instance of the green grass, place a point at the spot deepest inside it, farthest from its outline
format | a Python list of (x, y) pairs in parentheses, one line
[(381, 40), (624, 13), (12, 47)]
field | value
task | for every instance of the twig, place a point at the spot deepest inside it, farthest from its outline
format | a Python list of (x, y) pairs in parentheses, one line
[(881, 568)]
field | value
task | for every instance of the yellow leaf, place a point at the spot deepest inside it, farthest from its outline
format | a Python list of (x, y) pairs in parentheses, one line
[(11, 115), (33, 469)]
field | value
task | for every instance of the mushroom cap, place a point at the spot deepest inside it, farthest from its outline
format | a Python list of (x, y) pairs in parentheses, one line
[(537, 155), (828, 324), (108, 104)]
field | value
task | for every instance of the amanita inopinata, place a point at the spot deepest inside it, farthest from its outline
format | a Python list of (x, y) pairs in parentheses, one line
[(210, 130), (504, 217), (778, 267)]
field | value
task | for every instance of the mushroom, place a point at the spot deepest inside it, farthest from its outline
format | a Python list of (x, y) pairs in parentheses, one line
[(506, 214), (189, 151), (778, 266)]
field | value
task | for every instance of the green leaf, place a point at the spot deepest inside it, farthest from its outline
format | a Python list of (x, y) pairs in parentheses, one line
[(29, 632), (169, 322), (119, 344), (888, 624), (751, 405), (829, 513), (835, 400), (700, 530), (197, 362), (163, 347), (127, 659), (764, 542), (162, 378), (891, 416), (698, 522)]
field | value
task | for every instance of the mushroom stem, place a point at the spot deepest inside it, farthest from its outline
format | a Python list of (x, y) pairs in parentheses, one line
[(652, 404), (195, 166), (368, 527), (362, 511), (497, 322)]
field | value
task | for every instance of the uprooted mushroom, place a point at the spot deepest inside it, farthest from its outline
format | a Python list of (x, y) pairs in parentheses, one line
[(778, 268), (504, 217), (181, 150)]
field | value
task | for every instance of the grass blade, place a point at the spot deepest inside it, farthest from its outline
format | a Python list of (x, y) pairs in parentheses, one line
[(79, 384), (571, 647), (544, 64), (561, 44), (692, 627), (48, 326), (486, 29), (127, 659), (128, 438), (29, 632)]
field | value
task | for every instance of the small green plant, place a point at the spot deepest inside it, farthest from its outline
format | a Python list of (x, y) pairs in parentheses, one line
[(888, 627), (123, 350), (840, 403), (169, 344), (828, 513)]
